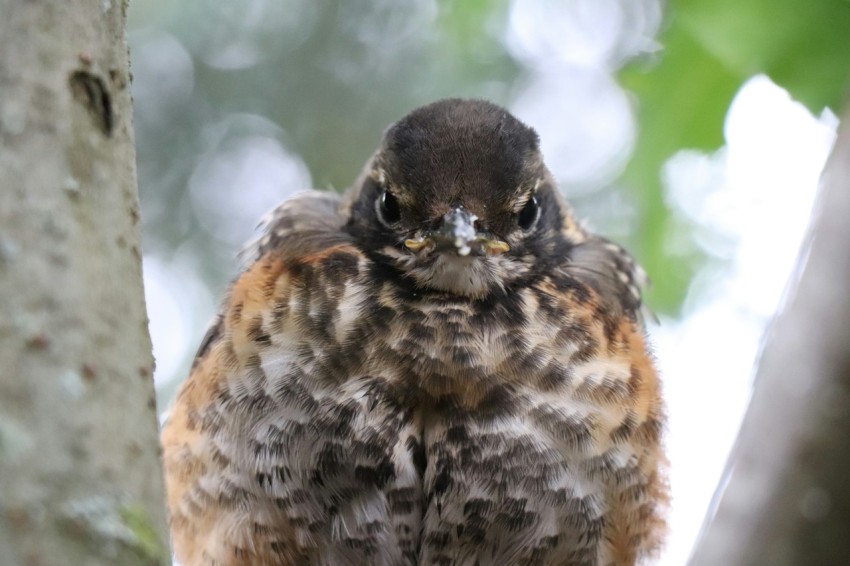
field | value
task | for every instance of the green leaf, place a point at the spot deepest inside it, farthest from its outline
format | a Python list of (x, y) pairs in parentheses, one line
[(802, 46), (682, 103)]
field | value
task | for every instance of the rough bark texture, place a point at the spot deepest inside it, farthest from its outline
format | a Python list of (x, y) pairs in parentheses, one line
[(80, 481), (787, 501)]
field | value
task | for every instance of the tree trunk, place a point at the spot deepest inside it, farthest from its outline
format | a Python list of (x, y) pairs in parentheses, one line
[(787, 500), (80, 481)]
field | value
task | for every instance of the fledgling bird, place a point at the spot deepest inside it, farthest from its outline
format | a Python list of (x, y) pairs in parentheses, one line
[(440, 366)]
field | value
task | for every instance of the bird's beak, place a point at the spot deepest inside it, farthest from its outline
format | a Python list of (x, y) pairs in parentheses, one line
[(457, 232)]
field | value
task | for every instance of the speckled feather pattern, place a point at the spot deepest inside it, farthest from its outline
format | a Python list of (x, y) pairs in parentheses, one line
[(338, 414)]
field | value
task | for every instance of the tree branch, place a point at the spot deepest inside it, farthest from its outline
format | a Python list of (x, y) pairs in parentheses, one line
[(787, 500)]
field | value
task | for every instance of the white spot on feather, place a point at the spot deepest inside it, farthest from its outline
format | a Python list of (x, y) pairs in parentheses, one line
[(349, 309)]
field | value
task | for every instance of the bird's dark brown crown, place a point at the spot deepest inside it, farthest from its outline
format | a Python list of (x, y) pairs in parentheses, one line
[(470, 152), (451, 161)]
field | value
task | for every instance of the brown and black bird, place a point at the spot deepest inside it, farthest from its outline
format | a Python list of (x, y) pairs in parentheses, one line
[(441, 366)]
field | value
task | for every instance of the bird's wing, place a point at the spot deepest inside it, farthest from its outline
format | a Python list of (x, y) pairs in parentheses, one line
[(303, 224), (254, 444), (613, 273)]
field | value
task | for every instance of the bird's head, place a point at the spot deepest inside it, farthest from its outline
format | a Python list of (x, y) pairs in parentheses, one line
[(458, 199)]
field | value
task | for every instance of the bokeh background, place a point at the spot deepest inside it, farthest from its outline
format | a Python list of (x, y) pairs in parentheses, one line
[(669, 128)]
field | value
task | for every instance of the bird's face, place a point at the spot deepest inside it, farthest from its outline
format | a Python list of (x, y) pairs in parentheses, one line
[(458, 199)]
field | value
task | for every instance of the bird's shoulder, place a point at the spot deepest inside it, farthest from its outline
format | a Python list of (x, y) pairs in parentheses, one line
[(612, 275), (306, 223), (293, 278), (300, 240)]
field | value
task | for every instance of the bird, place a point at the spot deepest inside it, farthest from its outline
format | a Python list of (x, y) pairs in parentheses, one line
[(440, 366)]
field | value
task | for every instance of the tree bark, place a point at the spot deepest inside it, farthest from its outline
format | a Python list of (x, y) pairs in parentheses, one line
[(80, 481), (787, 500)]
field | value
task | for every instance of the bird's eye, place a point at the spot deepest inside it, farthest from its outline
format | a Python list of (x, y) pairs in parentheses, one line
[(529, 214), (388, 209)]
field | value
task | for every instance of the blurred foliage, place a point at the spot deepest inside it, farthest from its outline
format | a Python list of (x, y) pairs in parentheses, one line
[(323, 78), (330, 74), (710, 48)]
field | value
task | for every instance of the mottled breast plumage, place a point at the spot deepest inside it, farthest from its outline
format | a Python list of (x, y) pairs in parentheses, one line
[(458, 384)]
